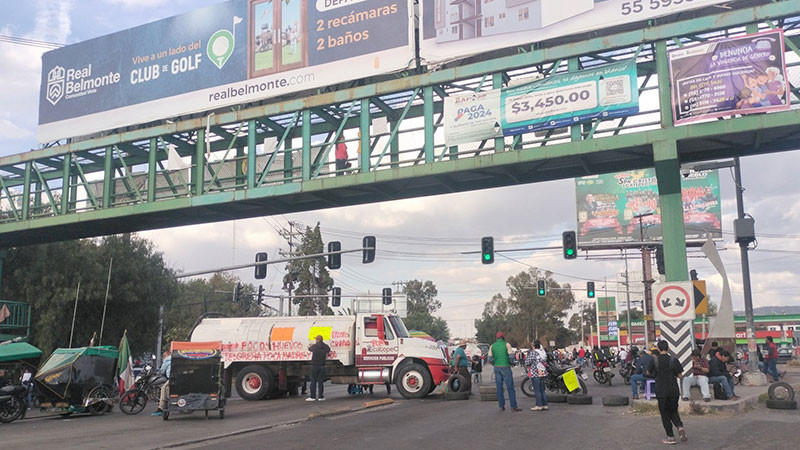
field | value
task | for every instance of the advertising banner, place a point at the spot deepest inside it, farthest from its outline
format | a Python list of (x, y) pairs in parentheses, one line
[(607, 318), (472, 117), (742, 75), (235, 52), (564, 99), (607, 204), (457, 29)]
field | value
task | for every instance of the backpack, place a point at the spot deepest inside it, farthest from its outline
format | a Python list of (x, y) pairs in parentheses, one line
[(652, 374)]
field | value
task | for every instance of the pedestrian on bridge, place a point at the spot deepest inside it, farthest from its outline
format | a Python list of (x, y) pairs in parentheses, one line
[(341, 157), (499, 352)]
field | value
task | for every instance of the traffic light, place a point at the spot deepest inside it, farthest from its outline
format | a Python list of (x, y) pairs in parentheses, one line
[(693, 275), (541, 288), (369, 249), (336, 297), (386, 296), (570, 245), (660, 260), (261, 270), (487, 250), (260, 294), (237, 292), (334, 259), (590, 289)]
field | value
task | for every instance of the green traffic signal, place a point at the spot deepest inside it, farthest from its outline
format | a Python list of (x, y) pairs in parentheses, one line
[(570, 252), (487, 250), (590, 289), (487, 257)]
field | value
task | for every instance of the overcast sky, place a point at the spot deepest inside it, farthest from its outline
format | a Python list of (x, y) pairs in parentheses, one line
[(435, 228)]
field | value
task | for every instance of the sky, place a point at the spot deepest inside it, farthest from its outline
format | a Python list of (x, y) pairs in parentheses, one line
[(417, 238)]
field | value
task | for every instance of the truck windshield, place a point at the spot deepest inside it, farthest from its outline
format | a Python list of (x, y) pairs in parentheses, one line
[(399, 326)]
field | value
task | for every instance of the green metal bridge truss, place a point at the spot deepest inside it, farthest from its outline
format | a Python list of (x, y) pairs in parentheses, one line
[(278, 157)]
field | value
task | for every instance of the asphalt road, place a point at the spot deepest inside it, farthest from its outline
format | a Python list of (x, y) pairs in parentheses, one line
[(286, 424)]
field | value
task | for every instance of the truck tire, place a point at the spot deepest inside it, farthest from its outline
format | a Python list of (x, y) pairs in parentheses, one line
[(253, 382), (615, 400), (456, 383), (780, 391), (457, 396), (781, 404), (413, 381), (579, 399), (556, 398)]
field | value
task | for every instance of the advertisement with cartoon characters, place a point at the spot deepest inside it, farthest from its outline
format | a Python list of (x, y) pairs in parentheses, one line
[(456, 29), (235, 52), (607, 206), (742, 75)]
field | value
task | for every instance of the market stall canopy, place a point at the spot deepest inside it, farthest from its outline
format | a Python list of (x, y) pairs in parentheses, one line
[(17, 351)]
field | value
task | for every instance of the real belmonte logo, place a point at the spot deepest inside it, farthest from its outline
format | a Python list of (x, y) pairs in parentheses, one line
[(71, 83)]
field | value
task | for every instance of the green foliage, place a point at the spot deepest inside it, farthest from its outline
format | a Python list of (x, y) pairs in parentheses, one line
[(309, 276), (46, 276), (524, 316), (200, 296), (422, 303), (589, 314)]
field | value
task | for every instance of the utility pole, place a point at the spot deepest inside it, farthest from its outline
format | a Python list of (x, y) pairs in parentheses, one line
[(289, 236), (648, 295), (583, 336), (629, 338), (160, 334)]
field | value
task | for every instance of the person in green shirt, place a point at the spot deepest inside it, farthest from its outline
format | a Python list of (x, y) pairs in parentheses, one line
[(502, 372), (460, 365)]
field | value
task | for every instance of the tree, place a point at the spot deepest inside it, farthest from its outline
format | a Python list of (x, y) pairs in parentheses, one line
[(589, 314), (495, 317), (46, 276), (422, 303), (309, 276)]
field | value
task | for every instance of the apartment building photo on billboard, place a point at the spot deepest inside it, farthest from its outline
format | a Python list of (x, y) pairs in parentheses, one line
[(458, 20)]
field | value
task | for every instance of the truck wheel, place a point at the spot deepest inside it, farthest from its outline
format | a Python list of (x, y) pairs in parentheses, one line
[(413, 381), (456, 383), (253, 382)]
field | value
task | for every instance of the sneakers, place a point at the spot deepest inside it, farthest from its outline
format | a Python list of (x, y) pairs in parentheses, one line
[(669, 441), (311, 399), (545, 408), (682, 434), (157, 413), (502, 408), (707, 399), (537, 408), (636, 397), (321, 399), (516, 409)]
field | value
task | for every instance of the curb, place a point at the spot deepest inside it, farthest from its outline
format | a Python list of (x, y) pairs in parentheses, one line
[(314, 415)]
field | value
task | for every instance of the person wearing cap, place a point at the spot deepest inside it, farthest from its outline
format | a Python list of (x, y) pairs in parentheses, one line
[(460, 364), (319, 354), (499, 352)]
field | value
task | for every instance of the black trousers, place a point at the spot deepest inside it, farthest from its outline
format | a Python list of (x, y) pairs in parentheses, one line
[(668, 408), (464, 371), (317, 380)]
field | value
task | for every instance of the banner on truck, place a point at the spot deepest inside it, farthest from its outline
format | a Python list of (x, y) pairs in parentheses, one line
[(742, 75), (607, 205), (235, 52), (456, 29)]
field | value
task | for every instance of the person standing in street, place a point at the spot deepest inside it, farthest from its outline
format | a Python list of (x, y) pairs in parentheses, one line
[(499, 351), (537, 371), (771, 359), (667, 370), (319, 354), (461, 365)]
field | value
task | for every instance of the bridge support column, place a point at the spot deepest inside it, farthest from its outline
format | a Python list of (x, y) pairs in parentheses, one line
[(199, 163), (26, 191), (679, 334), (497, 83), (430, 129), (151, 170), (306, 169), (65, 183), (108, 177)]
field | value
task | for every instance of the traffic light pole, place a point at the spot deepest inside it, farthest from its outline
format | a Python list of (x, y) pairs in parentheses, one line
[(265, 263)]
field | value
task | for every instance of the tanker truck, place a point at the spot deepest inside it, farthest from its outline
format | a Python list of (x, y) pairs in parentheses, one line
[(268, 356)]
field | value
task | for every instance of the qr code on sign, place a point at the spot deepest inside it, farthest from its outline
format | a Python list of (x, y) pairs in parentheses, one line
[(615, 86)]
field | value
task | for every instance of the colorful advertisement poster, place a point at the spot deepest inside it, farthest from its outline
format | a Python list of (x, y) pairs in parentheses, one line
[(742, 75), (607, 318), (456, 29), (235, 52), (608, 206), (472, 117), (602, 93)]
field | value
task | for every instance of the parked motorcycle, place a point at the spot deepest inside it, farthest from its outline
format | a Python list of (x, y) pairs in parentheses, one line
[(602, 372), (147, 385), (625, 372), (12, 403), (554, 382)]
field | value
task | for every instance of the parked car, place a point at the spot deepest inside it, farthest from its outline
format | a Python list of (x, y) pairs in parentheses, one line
[(785, 355)]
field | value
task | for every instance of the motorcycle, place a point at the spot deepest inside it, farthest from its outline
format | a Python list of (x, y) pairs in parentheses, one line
[(554, 382), (602, 372), (625, 372), (12, 403), (147, 385)]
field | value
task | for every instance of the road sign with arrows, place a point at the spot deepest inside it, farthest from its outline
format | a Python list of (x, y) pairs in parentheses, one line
[(673, 301)]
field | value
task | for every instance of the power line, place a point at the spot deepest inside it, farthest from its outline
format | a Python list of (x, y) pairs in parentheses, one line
[(29, 42)]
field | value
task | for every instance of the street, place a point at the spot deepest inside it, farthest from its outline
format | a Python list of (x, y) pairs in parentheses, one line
[(342, 423)]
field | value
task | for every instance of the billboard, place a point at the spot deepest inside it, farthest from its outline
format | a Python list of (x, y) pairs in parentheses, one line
[(607, 204), (457, 29), (563, 99), (607, 318), (742, 75), (235, 52)]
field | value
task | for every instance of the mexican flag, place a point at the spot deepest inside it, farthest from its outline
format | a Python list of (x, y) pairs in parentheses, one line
[(125, 364)]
